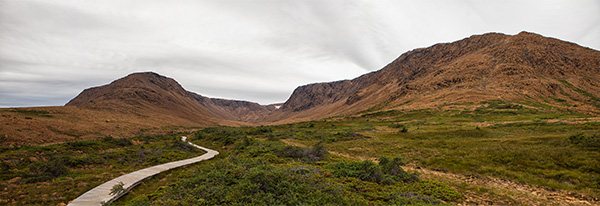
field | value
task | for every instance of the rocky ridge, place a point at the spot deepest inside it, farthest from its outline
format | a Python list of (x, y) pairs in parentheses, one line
[(525, 68)]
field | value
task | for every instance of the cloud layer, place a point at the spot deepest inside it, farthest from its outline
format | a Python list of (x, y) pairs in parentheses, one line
[(257, 50)]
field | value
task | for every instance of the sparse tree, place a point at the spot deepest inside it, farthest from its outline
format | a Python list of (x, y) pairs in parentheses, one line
[(117, 189)]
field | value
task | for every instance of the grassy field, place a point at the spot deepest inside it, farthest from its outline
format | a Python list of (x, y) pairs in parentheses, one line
[(254, 168), (559, 150), (48, 175), (356, 160)]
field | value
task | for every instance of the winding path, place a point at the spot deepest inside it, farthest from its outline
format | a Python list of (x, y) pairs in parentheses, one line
[(100, 194)]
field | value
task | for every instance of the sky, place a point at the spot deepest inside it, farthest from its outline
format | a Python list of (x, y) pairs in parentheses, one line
[(258, 50)]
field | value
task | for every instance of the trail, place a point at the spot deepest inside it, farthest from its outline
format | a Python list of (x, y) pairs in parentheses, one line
[(100, 194), (500, 191), (517, 193)]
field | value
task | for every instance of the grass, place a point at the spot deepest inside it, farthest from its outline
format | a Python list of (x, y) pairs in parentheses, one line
[(38, 113), (591, 97), (550, 148), (251, 171), (70, 169), (498, 139)]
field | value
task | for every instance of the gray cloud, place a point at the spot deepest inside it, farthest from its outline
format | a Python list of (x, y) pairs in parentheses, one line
[(253, 50)]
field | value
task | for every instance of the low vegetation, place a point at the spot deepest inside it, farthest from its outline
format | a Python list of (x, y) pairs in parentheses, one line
[(48, 175), (269, 172), (552, 149), (366, 159)]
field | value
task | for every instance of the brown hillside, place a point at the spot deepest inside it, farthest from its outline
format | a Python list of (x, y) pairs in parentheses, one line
[(44, 125), (140, 103), (150, 93), (143, 93), (524, 68)]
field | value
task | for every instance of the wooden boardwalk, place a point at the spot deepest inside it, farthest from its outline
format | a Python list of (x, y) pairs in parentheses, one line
[(100, 194)]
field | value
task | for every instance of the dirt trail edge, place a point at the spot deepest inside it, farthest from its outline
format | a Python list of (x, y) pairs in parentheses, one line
[(101, 194), (500, 191)]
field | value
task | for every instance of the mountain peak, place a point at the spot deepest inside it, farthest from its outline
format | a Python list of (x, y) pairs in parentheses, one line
[(144, 75), (525, 67)]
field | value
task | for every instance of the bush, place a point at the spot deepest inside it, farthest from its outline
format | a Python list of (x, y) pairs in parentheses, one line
[(260, 131), (402, 127), (585, 140), (117, 189), (386, 172), (345, 136), (181, 145), (434, 189), (43, 171), (225, 135), (4, 168), (317, 153), (393, 168), (404, 130), (366, 170)]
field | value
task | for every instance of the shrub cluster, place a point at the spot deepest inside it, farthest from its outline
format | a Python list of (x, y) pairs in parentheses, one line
[(584, 140), (386, 172), (44, 171), (226, 135), (238, 180), (317, 153), (344, 136)]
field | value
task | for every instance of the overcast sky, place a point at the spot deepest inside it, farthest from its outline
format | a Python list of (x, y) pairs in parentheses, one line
[(256, 50)]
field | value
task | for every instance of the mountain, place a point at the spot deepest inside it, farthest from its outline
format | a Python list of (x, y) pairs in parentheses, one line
[(138, 104), (523, 68), (526, 69), (151, 92)]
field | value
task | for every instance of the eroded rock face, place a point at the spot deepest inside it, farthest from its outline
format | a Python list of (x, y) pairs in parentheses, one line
[(313, 95), (523, 68), (479, 68)]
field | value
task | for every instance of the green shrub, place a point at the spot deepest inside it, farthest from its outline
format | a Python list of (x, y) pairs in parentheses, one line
[(366, 170), (434, 189), (4, 168), (585, 140), (404, 130), (317, 153), (386, 172), (393, 168), (224, 135), (139, 201), (181, 145), (47, 170), (344, 136), (260, 131)]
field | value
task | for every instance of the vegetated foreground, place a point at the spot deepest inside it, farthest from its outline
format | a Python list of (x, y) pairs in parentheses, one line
[(49, 175), (477, 114), (531, 69), (491, 153), (494, 153), (258, 169)]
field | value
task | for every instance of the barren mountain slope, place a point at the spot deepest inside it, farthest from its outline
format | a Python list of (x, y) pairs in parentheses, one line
[(140, 103), (150, 93), (526, 68), (144, 93)]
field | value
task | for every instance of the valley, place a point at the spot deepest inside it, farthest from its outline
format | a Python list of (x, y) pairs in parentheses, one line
[(489, 119)]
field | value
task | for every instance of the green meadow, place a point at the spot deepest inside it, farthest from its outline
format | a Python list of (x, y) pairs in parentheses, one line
[(371, 158)]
